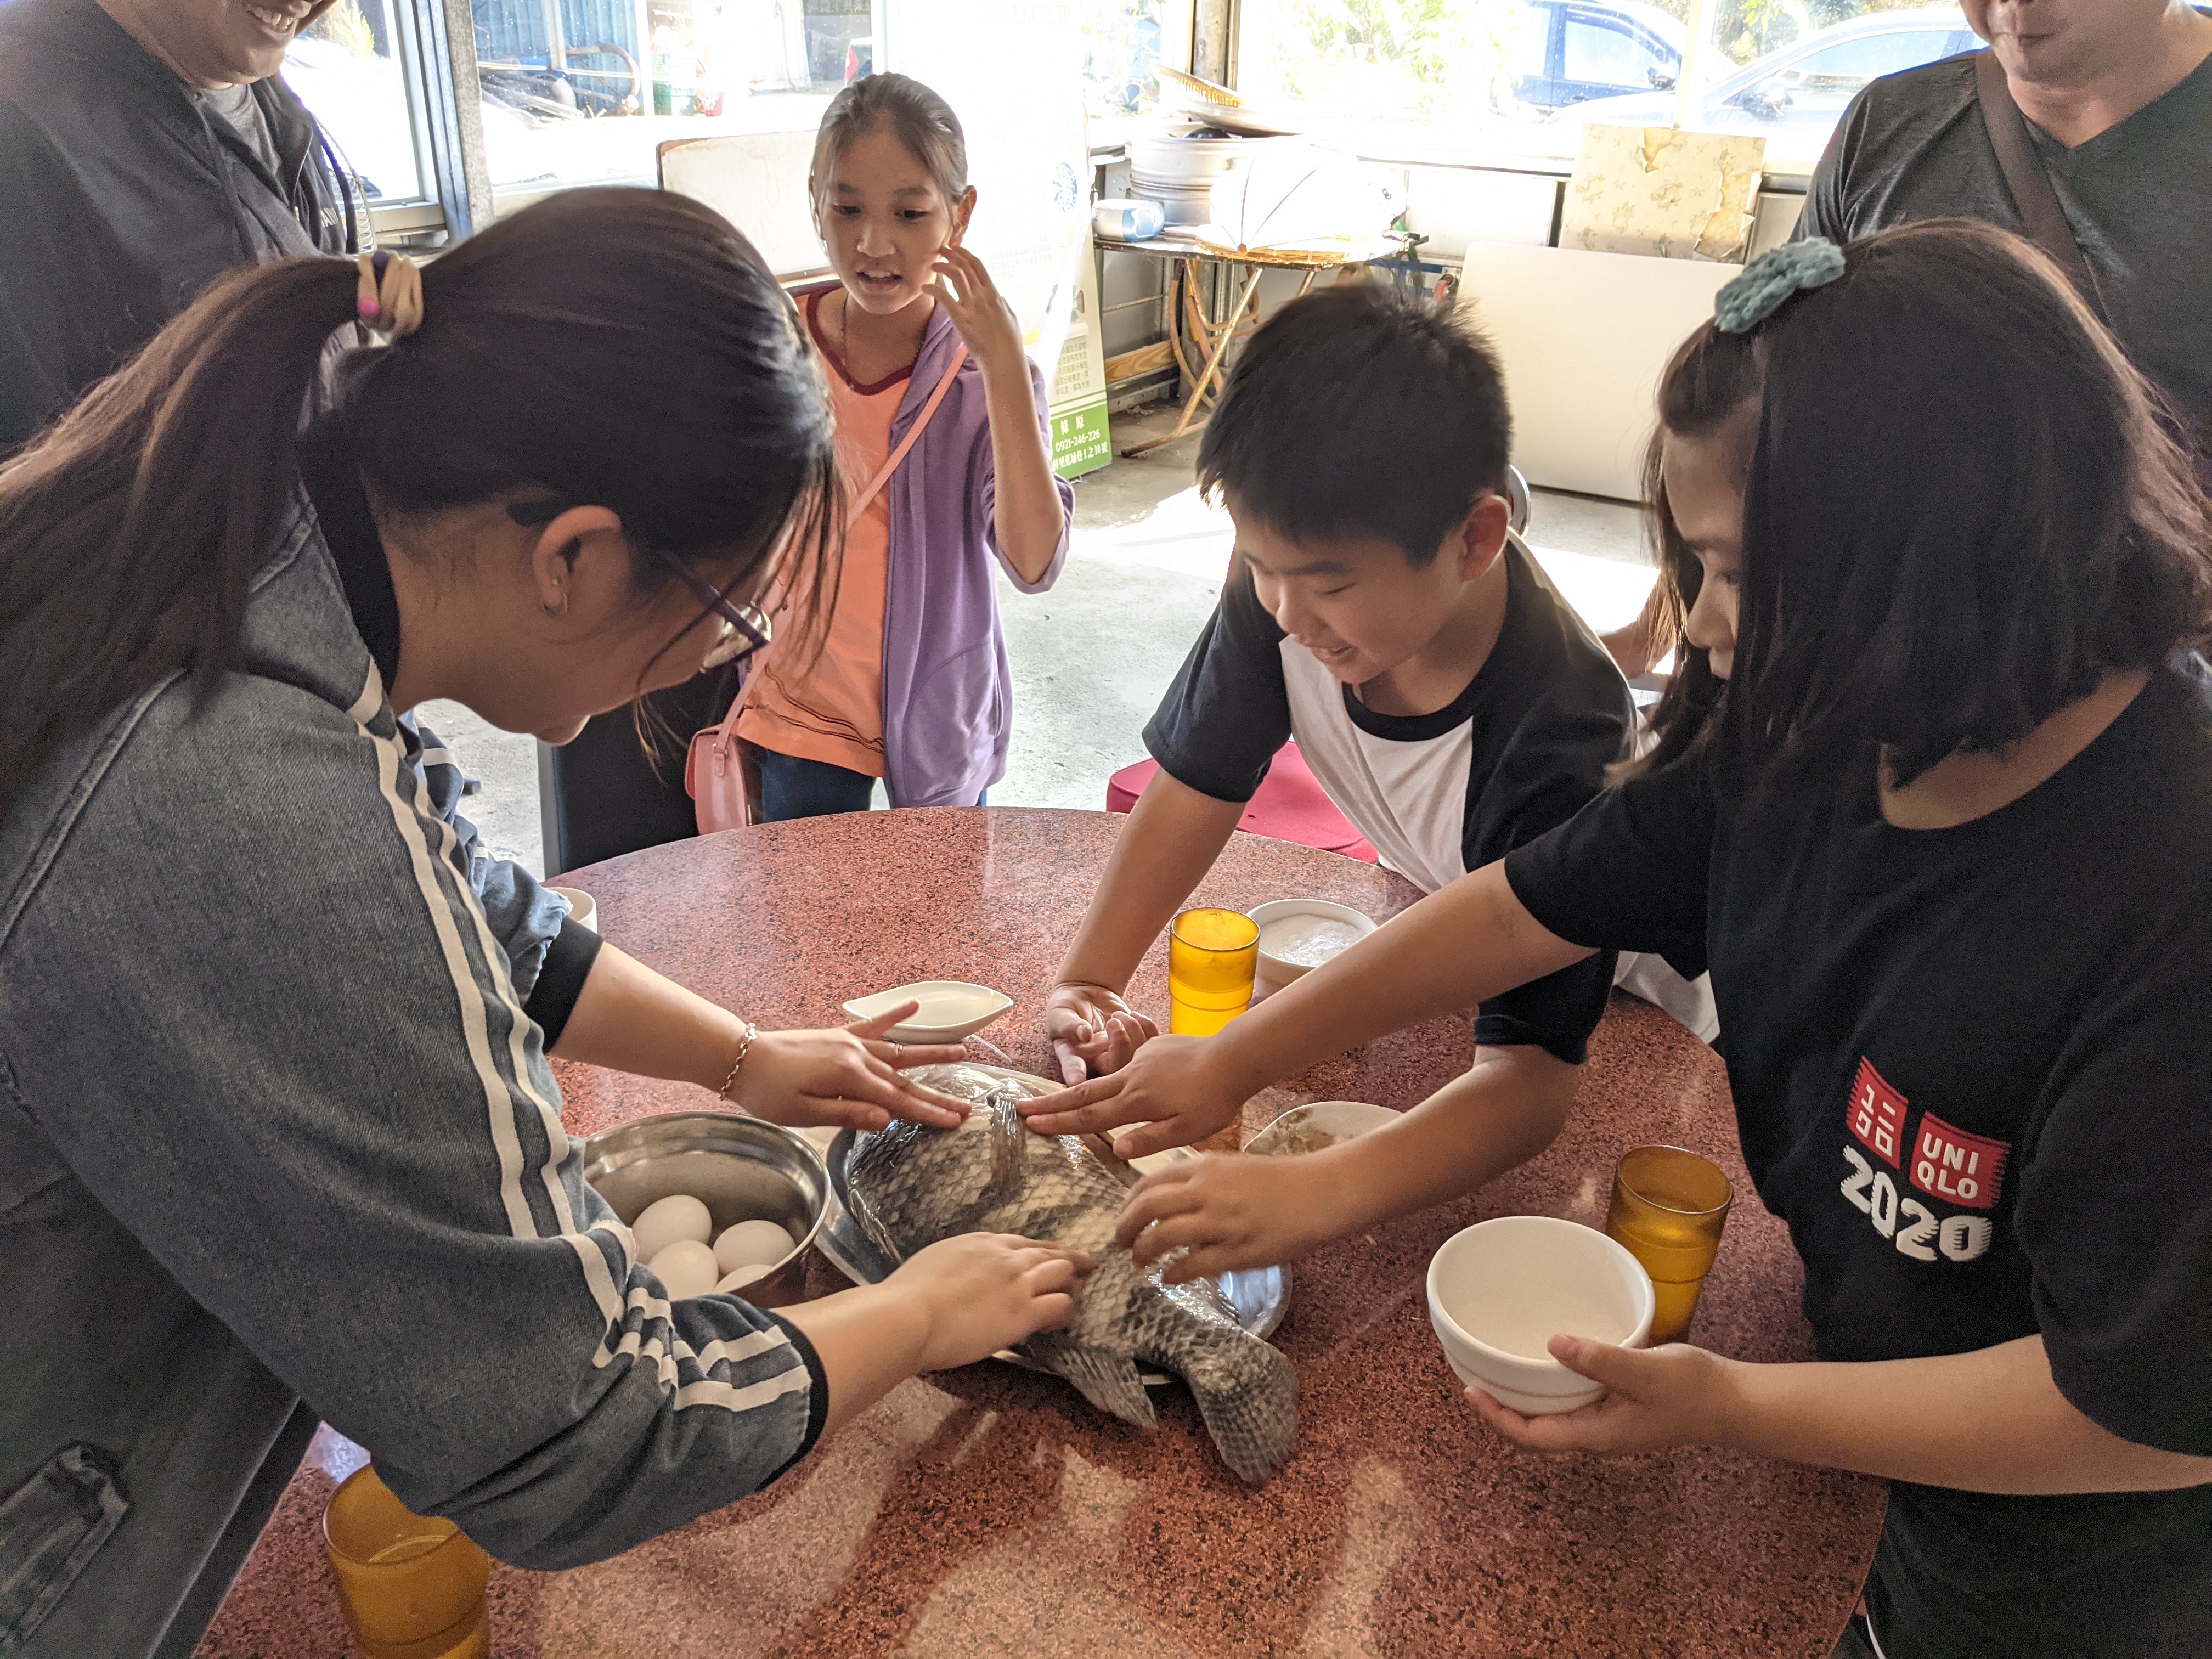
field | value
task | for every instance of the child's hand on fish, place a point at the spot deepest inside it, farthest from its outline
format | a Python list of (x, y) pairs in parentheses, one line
[(1226, 1211), (1092, 1029), (1169, 1088), (846, 1077), (985, 1291)]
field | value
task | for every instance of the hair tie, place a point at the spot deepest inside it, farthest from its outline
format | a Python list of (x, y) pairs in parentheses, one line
[(1745, 301), (389, 296)]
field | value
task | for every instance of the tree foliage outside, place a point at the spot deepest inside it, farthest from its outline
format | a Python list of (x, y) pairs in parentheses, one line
[(1402, 59), (1421, 59), (1120, 55), (1745, 29)]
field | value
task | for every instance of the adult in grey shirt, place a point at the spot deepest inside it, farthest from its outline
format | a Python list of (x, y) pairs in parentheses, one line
[(146, 148), (2117, 97)]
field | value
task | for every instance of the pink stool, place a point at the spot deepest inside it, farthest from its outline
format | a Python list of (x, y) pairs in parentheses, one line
[(1291, 805)]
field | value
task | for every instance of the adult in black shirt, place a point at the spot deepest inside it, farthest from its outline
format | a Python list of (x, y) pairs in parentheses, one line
[(145, 148), (1943, 834)]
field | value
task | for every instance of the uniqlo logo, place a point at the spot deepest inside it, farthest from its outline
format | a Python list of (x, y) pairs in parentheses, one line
[(1965, 1170), (1877, 1115)]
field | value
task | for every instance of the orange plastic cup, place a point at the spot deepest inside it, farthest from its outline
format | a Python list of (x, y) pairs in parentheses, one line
[(1211, 957), (1669, 1207), (411, 1587)]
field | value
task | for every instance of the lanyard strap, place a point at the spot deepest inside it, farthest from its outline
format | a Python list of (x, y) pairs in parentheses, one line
[(726, 730), (860, 502)]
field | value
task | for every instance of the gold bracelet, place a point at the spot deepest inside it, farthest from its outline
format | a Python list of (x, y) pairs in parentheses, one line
[(737, 1064)]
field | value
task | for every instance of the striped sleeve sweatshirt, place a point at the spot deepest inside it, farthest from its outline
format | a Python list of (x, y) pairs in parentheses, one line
[(278, 1137)]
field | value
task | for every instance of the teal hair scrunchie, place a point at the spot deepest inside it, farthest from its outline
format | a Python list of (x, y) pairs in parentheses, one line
[(1747, 301)]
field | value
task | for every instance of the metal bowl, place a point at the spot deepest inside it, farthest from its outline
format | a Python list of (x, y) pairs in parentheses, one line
[(742, 1169)]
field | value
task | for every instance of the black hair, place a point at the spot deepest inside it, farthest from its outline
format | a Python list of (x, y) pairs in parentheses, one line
[(618, 348), (1357, 410), (1963, 509), (922, 121)]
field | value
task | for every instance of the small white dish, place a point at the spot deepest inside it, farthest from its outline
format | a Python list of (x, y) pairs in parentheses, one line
[(1499, 1290), (950, 1009), (1318, 1125), (1273, 972), (1153, 1163), (583, 909)]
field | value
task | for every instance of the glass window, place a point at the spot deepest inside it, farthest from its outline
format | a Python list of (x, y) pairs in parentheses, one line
[(1123, 42), (1434, 73), (1604, 53), (1824, 81), (1782, 71), (1871, 55), (570, 97), (345, 68)]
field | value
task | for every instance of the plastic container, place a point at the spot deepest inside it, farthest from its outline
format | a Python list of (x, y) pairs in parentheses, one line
[(1125, 219), (411, 1587)]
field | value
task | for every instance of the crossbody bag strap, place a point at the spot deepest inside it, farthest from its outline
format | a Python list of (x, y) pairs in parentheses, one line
[(726, 733), (2027, 178), (859, 502)]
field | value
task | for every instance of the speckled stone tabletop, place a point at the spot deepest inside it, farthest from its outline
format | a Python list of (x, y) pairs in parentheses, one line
[(990, 1511)]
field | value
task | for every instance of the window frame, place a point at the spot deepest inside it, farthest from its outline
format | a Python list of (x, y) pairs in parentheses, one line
[(428, 73)]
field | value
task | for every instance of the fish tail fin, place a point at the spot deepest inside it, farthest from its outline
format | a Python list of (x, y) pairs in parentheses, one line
[(1247, 1390), (1107, 1380)]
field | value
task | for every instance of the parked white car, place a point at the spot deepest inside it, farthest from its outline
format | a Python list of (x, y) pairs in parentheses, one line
[(1794, 96)]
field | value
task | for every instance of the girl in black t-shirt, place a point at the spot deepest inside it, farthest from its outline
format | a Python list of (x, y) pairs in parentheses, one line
[(1933, 800)]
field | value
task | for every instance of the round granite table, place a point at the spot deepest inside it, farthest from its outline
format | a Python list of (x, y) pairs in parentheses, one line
[(991, 1511)]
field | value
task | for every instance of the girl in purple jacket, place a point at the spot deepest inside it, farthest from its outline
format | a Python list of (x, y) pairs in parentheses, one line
[(941, 439)]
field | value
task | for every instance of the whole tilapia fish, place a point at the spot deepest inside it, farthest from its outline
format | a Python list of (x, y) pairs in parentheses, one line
[(909, 1186)]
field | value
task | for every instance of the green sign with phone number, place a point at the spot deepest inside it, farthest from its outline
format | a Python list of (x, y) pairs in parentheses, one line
[(1080, 440)]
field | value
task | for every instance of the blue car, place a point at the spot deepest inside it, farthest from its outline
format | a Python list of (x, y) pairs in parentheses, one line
[(1572, 52)]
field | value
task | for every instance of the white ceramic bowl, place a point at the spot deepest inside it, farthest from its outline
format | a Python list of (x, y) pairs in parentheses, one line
[(1272, 973), (1338, 1120), (950, 1009), (583, 909), (1499, 1290)]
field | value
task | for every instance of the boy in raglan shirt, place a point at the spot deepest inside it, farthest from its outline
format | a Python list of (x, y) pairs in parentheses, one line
[(1446, 697)]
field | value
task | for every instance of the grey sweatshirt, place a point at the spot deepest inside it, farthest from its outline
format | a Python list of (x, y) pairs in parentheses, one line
[(276, 1127)]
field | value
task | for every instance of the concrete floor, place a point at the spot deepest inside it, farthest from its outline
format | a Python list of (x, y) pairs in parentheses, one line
[(1091, 657)]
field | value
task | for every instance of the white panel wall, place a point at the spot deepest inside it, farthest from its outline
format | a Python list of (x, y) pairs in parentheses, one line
[(757, 181), (1583, 338), (1778, 217), (1456, 207)]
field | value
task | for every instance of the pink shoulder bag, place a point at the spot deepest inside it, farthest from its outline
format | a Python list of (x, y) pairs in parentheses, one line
[(720, 774)]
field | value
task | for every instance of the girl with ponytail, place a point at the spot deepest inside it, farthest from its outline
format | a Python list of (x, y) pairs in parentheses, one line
[(278, 1140)]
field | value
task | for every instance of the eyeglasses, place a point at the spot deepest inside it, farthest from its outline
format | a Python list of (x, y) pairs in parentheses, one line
[(744, 629)]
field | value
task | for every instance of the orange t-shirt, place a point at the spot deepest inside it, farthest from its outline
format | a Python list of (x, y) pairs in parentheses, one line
[(833, 710)]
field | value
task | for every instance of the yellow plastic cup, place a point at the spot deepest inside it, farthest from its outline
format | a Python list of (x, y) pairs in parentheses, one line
[(1211, 957), (411, 1587), (1669, 1207)]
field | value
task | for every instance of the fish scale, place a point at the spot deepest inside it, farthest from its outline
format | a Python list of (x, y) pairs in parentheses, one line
[(909, 1186)]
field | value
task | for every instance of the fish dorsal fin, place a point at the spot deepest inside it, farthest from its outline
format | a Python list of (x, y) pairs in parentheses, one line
[(1008, 1131)]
